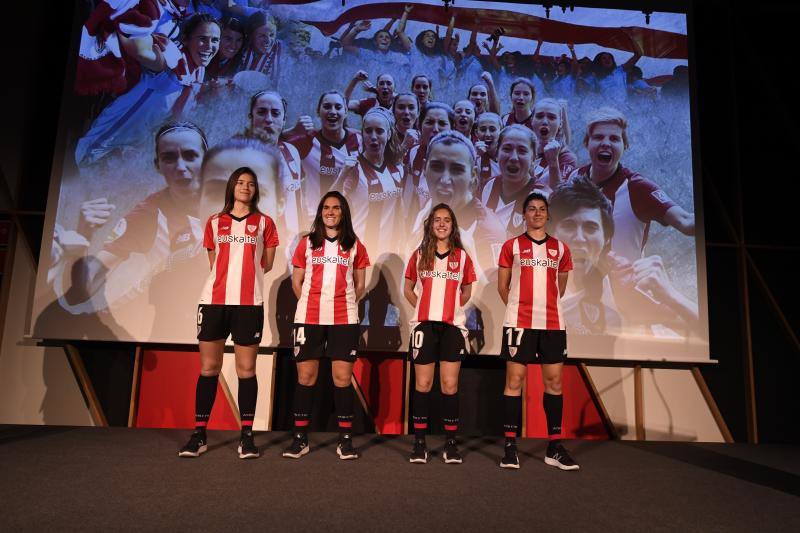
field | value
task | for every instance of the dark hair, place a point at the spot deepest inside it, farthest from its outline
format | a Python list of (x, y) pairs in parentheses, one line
[(469, 91), (415, 78), (581, 193), (169, 127), (259, 94), (233, 23), (249, 143), (191, 24), (347, 235), (427, 248), (597, 64), (412, 95), (535, 196), (523, 81), (258, 19), (326, 93), (229, 188), (437, 45), (451, 115)]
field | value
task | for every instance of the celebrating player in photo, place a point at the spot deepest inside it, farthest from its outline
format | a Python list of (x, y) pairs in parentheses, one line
[(554, 160), (523, 95), (504, 194), (241, 244), (323, 152), (267, 117), (531, 279), (487, 130), (637, 201), (373, 181), (438, 327), (465, 117), (328, 279), (405, 109)]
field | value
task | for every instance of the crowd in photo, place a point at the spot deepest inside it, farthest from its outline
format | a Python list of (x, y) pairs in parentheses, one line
[(203, 88)]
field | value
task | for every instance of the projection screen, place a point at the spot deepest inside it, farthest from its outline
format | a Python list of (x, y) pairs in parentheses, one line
[(123, 257)]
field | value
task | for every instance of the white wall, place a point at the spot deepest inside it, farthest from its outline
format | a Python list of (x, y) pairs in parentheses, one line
[(37, 385)]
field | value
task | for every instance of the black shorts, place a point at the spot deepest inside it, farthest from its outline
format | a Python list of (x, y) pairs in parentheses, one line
[(534, 346), (244, 323), (436, 341), (312, 341)]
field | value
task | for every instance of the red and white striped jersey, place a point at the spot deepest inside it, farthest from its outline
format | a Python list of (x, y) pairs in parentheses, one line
[(511, 118), (376, 200), (567, 162), (509, 214), (487, 169), (440, 294), (533, 301), (322, 161), (294, 213), (415, 189), (237, 277), (637, 201), (328, 294)]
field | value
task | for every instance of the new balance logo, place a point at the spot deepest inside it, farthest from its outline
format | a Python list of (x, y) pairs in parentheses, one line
[(527, 251)]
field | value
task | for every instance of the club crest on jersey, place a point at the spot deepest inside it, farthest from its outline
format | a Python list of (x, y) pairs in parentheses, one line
[(512, 351), (453, 264), (553, 252), (591, 311), (414, 353), (251, 228)]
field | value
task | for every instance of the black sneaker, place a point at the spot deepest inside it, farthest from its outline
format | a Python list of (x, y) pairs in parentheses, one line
[(451, 455), (247, 448), (196, 446), (419, 454), (558, 456), (345, 448), (510, 459), (298, 448)]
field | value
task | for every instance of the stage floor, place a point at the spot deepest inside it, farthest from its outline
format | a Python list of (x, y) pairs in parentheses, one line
[(131, 479)]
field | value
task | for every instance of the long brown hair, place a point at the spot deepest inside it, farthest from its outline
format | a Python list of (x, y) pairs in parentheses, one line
[(347, 235), (229, 188), (427, 249)]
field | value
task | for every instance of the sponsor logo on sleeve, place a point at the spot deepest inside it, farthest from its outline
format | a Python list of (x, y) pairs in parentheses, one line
[(661, 196)]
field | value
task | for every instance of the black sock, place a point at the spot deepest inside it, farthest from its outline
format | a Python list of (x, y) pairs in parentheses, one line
[(343, 403), (205, 394), (248, 392), (513, 410), (553, 408), (303, 400), (450, 414), (419, 415)]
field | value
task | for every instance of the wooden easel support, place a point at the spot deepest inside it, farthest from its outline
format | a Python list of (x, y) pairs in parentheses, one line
[(85, 384)]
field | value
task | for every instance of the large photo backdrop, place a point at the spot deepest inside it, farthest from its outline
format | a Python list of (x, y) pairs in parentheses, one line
[(168, 98)]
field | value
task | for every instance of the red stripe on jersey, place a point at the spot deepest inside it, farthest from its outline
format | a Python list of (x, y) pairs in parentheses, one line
[(218, 292), (425, 296), (246, 296), (315, 292), (552, 287), (525, 315), (340, 292), (451, 288)]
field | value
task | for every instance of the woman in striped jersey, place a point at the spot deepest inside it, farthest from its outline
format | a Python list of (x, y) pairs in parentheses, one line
[(487, 129), (323, 151), (438, 327), (328, 277), (241, 244), (373, 181)]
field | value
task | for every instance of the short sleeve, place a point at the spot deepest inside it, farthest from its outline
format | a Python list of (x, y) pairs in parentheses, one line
[(469, 271), (565, 265), (411, 268), (299, 257), (362, 259), (270, 233), (365, 105), (208, 236), (301, 140), (648, 200), (506, 259), (134, 233)]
